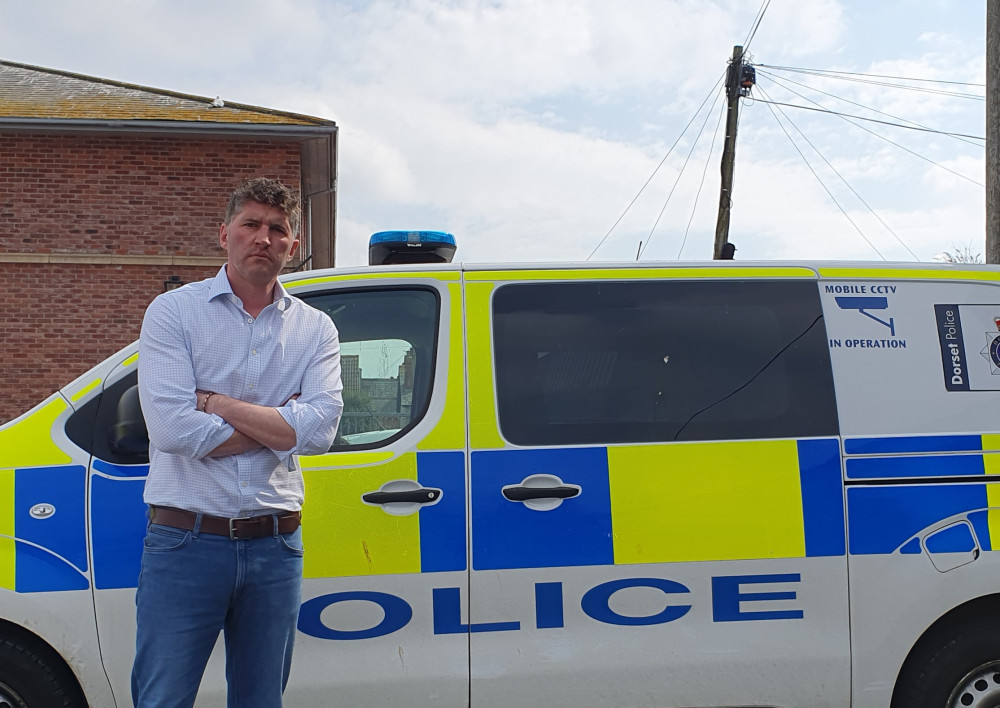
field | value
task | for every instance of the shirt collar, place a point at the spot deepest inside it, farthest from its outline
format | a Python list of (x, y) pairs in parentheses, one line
[(281, 296), (221, 286)]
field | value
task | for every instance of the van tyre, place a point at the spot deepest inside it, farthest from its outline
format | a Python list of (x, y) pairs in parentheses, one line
[(33, 676), (960, 671)]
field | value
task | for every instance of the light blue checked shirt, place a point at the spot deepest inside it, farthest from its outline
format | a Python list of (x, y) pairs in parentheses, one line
[(200, 337)]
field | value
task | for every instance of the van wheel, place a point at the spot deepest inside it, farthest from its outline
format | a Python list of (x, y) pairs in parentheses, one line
[(33, 676), (962, 671)]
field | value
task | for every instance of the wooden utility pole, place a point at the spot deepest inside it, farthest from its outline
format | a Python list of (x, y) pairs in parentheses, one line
[(729, 150), (993, 131)]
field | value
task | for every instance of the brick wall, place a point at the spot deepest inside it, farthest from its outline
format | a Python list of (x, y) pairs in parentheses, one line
[(105, 195), (60, 320), (126, 194)]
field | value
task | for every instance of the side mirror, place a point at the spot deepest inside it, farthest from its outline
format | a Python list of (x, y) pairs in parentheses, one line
[(128, 436)]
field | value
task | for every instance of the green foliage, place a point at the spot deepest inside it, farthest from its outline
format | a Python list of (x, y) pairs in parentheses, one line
[(356, 401)]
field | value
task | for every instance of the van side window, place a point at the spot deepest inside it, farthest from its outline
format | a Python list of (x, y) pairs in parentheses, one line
[(651, 361), (388, 341), (111, 426), (388, 345)]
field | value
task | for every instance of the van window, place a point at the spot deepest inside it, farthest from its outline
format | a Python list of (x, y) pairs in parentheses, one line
[(111, 426), (388, 344), (618, 362)]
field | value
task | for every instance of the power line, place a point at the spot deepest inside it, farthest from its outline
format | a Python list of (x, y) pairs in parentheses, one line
[(704, 172), (848, 185), (680, 174), (756, 25), (882, 137), (825, 72), (650, 179), (819, 179), (874, 120), (904, 87), (781, 82)]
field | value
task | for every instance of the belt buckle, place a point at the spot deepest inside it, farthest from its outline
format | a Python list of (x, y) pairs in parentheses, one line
[(232, 527)]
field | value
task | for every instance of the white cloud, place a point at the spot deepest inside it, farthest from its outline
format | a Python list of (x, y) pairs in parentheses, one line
[(540, 192), (799, 29), (526, 126)]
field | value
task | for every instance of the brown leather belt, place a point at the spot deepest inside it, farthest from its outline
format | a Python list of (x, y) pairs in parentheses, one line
[(238, 529)]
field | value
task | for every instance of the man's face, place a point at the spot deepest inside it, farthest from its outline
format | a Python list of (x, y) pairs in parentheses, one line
[(259, 242)]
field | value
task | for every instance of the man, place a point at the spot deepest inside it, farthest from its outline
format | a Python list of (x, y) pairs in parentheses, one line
[(236, 378)]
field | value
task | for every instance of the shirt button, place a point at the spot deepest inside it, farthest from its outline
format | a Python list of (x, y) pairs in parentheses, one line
[(254, 352), (250, 320), (243, 484)]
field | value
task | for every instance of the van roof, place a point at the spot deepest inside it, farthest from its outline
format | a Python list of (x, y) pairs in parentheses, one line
[(822, 269)]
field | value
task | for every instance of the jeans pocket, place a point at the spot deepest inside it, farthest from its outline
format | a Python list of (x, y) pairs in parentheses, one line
[(292, 542), (163, 539)]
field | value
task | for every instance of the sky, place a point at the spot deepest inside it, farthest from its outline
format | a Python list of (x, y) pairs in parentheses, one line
[(527, 128)]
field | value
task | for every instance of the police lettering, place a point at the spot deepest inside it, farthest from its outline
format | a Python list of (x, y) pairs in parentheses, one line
[(956, 364), (728, 592), (950, 330)]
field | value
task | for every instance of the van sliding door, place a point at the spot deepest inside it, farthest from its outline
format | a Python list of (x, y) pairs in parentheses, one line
[(657, 507)]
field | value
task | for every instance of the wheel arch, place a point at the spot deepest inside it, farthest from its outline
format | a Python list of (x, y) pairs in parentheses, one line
[(18, 634), (940, 631)]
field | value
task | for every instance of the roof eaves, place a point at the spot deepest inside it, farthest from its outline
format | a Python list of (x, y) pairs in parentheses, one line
[(163, 126), (164, 92)]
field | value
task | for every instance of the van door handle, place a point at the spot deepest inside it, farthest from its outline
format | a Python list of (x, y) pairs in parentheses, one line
[(521, 493), (424, 495)]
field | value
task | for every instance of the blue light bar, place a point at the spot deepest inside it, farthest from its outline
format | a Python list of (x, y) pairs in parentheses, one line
[(387, 247), (411, 237)]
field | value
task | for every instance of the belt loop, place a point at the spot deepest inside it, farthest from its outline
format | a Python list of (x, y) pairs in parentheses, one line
[(197, 526), (274, 525)]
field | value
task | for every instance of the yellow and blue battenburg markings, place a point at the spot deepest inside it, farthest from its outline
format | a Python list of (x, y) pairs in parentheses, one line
[(662, 503), (117, 522), (884, 518), (345, 537), (48, 551)]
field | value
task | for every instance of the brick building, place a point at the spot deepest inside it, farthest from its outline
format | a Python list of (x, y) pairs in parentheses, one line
[(110, 191)]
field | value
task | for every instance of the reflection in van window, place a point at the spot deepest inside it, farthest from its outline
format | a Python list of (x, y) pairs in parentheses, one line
[(387, 352), (647, 361)]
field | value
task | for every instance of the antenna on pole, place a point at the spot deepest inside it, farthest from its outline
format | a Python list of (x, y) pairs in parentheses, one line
[(739, 80)]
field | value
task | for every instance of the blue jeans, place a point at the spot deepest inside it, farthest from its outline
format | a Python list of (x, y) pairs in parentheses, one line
[(191, 586)]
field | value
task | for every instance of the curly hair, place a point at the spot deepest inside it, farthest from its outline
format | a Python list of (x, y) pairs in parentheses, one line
[(266, 191)]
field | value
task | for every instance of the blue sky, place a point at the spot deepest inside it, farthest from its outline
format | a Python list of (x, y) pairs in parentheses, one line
[(525, 127)]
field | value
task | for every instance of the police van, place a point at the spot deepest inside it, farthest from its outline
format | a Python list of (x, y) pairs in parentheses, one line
[(610, 486)]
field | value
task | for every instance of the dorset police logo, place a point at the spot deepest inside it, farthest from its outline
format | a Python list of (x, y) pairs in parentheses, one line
[(991, 352), (994, 348)]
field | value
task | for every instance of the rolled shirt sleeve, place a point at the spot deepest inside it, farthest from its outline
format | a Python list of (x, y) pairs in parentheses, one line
[(167, 388), (315, 414)]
